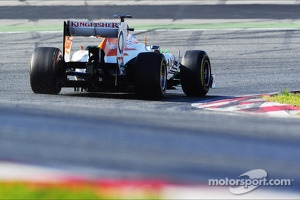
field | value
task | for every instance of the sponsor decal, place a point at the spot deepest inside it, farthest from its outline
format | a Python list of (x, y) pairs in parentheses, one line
[(82, 24), (107, 25), (94, 24)]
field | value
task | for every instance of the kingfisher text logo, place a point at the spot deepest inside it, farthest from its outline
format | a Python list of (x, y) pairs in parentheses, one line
[(249, 181), (87, 24)]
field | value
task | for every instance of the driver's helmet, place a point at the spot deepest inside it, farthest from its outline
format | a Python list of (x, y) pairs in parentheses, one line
[(131, 39)]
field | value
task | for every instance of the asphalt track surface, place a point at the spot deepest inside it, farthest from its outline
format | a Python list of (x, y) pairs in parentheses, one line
[(118, 135), (175, 12)]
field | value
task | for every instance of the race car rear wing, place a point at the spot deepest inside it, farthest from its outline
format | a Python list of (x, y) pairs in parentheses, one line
[(97, 29), (74, 28), (87, 28)]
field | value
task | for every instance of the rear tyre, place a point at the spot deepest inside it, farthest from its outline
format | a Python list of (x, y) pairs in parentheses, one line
[(195, 73), (150, 75), (46, 70)]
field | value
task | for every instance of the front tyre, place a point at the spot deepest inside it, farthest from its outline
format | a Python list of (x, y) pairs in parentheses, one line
[(195, 73), (46, 70), (150, 75)]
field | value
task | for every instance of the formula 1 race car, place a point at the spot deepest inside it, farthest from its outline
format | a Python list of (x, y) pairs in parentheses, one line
[(119, 63)]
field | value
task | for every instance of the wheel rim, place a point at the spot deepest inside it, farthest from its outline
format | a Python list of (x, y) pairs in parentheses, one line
[(206, 73), (163, 77)]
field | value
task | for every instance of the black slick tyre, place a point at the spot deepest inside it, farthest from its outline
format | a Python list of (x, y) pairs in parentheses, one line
[(150, 78), (46, 70), (195, 73)]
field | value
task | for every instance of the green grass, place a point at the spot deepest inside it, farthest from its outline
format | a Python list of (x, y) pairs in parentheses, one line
[(64, 191), (29, 28), (32, 191), (222, 25), (285, 97)]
